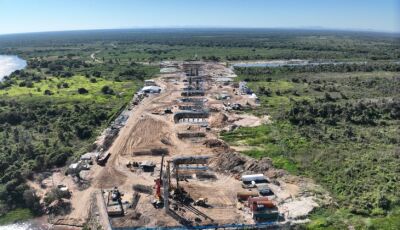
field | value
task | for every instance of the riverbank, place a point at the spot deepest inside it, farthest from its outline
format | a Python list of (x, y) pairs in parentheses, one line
[(9, 64), (23, 219)]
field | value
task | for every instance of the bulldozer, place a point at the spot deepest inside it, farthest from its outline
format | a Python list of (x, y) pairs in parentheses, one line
[(201, 202)]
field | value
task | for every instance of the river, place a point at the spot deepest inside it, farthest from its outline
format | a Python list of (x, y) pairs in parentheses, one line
[(9, 64)]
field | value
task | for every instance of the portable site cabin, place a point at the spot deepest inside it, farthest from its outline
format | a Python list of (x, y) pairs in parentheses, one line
[(266, 215), (149, 83), (147, 166), (264, 190), (151, 89), (74, 168), (253, 180)]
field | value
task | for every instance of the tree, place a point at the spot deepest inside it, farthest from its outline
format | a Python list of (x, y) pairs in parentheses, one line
[(32, 201), (107, 90), (83, 91), (83, 132), (96, 73), (48, 92)]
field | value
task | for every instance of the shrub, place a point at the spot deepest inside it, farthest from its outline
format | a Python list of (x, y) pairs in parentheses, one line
[(83, 91), (48, 92), (107, 90)]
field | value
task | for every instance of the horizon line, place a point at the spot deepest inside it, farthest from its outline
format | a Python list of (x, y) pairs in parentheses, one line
[(311, 28)]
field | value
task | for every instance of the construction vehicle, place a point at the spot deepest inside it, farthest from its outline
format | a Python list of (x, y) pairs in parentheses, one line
[(115, 195), (201, 202), (101, 159), (114, 203)]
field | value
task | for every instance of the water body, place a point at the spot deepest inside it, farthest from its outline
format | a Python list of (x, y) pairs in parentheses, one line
[(28, 225), (9, 64)]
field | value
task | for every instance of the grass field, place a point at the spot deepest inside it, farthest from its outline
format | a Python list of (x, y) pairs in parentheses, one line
[(124, 89), (16, 215)]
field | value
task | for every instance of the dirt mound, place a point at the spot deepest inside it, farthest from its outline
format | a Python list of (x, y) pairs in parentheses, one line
[(149, 132), (215, 143), (143, 189), (234, 162), (110, 177), (219, 120), (190, 135), (151, 152)]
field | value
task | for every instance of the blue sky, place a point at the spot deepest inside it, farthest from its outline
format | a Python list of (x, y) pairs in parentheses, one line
[(18, 16)]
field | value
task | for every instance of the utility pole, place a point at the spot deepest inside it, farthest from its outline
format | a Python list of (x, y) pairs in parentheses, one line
[(162, 166), (176, 175)]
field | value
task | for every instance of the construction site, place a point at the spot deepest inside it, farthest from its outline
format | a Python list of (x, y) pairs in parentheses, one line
[(162, 164)]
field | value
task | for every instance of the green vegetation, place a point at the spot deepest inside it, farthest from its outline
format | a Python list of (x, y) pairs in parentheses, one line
[(125, 46), (16, 215), (50, 114), (342, 218), (337, 123), (340, 129), (274, 141)]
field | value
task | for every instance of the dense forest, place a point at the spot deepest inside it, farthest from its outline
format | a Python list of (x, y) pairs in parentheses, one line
[(208, 44)]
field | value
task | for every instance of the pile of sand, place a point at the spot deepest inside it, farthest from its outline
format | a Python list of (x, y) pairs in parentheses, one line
[(219, 120), (149, 132)]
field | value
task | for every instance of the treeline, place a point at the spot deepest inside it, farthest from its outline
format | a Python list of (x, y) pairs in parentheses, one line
[(261, 73), (37, 136), (289, 43), (58, 64), (58, 67), (363, 112)]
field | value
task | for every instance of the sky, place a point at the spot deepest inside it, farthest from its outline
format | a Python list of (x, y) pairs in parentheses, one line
[(20, 16)]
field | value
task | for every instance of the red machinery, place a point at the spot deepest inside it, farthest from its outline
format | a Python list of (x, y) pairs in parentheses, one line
[(158, 188), (260, 203)]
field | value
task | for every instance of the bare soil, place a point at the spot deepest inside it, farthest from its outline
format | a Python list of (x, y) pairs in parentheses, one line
[(149, 128)]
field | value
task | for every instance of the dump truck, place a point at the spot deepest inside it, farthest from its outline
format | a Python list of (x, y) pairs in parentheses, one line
[(201, 202), (101, 159)]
